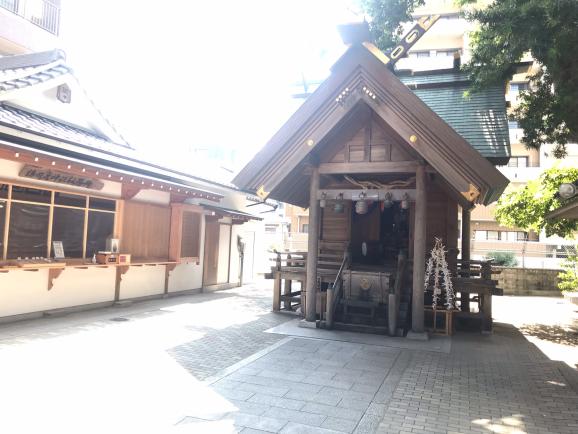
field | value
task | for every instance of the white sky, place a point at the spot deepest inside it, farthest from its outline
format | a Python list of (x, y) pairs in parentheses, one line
[(176, 74)]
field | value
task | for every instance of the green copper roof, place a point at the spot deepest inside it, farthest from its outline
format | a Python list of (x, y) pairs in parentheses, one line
[(479, 117)]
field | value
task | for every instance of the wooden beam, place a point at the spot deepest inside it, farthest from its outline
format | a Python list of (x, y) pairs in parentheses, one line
[(312, 247), (129, 191), (373, 194), (365, 167), (419, 246)]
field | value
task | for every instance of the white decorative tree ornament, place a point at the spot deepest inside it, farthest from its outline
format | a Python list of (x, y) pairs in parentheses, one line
[(437, 270)]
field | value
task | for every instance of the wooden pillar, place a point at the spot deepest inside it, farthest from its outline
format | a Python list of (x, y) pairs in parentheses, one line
[(419, 246), (312, 247), (466, 238), (287, 288), (277, 284)]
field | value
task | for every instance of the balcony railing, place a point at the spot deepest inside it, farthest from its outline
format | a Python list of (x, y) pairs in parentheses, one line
[(43, 13)]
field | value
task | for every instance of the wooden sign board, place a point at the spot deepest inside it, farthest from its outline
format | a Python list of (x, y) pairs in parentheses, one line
[(60, 177)]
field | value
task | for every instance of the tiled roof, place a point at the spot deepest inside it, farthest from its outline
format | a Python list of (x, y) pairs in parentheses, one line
[(17, 72), (29, 70), (480, 117), (27, 121)]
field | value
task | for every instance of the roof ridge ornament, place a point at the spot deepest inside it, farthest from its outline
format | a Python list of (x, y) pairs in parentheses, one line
[(359, 33)]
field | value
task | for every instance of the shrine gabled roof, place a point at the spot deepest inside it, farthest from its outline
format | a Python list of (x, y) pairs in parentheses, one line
[(361, 78), (479, 117)]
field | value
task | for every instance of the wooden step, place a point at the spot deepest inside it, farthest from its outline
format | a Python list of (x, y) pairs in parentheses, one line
[(360, 328)]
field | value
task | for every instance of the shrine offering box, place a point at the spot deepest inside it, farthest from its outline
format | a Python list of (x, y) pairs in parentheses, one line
[(106, 258), (123, 258), (367, 285)]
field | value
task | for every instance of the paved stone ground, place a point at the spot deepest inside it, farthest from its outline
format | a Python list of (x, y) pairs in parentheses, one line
[(85, 373), (221, 347), (493, 384)]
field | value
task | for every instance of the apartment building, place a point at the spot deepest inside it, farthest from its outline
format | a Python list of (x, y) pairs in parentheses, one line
[(442, 46), (28, 26)]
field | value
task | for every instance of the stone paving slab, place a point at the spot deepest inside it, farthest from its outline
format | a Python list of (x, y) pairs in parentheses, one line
[(70, 375), (291, 328), (305, 386), (487, 384)]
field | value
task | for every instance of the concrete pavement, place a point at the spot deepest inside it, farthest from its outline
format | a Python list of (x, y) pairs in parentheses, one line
[(204, 363)]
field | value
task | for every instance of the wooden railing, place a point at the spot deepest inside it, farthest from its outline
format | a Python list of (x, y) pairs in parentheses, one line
[(475, 277), (292, 266)]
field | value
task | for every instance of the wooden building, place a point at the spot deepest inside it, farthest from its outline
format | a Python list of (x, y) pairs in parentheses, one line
[(383, 175), (71, 185)]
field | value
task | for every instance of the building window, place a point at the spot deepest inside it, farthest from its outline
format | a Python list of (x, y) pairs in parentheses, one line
[(305, 228), (36, 217), (28, 230), (521, 236), (445, 53), (493, 235), (513, 125), (518, 87), (518, 162), (417, 54), (68, 227), (100, 227)]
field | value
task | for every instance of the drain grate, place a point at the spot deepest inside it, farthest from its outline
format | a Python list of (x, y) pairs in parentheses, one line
[(119, 319)]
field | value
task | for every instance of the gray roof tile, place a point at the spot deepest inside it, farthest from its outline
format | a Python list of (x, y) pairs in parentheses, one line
[(24, 120), (479, 117)]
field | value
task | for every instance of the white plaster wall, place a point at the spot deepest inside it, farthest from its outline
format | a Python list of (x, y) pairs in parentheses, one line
[(142, 281), (223, 267), (185, 277), (23, 292), (75, 287), (27, 291)]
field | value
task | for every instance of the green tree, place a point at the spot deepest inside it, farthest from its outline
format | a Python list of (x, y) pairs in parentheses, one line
[(526, 207), (568, 279), (504, 259), (387, 17), (548, 31), (509, 29)]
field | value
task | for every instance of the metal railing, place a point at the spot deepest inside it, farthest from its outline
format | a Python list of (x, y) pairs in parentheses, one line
[(43, 13)]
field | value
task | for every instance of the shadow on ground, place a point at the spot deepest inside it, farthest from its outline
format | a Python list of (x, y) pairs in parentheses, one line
[(552, 333)]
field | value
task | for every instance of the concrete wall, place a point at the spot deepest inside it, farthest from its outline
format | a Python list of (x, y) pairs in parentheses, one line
[(528, 281)]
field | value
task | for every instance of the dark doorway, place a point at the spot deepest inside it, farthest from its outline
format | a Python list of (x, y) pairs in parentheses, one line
[(379, 235)]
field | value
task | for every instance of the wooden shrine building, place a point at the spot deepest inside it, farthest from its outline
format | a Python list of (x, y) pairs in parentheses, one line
[(383, 175)]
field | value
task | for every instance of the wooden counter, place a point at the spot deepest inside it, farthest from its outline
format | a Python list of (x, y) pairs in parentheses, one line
[(56, 268)]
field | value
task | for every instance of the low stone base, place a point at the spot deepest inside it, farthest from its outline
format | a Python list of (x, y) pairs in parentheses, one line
[(308, 324), (415, 336)]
